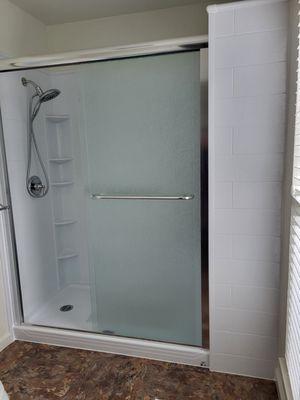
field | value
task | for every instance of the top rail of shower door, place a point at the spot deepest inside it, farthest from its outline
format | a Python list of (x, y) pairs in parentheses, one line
[(183, 196)]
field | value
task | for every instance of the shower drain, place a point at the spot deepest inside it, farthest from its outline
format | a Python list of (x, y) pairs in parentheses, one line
[(66, 307)]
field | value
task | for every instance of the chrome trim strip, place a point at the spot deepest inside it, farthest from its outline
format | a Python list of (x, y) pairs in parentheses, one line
[(106, 53), (13, 277), (204, 202)]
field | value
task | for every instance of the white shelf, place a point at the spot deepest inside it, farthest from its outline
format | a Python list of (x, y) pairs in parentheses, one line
[(57, 118), (66, 183), (64, 222), (61, 160), (67, 254)]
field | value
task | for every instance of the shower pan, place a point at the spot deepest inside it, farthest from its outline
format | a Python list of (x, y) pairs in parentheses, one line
[(111, 241)]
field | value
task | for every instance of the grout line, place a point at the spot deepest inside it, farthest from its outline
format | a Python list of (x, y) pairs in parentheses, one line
[(245, 334), (254, 32), (248, 357), (234, 309)]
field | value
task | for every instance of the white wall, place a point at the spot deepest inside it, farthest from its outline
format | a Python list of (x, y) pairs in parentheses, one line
[(129, 29), (20, 33), (247, 124)]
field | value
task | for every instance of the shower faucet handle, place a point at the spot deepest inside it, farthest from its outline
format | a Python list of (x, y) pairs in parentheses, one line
[(35, 187), (38, 186)]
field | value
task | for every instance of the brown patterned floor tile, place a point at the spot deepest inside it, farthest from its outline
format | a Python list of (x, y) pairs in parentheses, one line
[(40, 372)]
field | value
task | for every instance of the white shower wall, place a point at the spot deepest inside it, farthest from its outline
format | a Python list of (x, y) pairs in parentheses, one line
[(39, 240), (34, 231)]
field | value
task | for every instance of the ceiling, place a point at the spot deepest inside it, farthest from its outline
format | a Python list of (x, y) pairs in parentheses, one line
[(60, 11)]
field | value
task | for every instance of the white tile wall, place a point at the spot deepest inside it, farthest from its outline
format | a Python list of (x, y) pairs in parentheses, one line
[(247, 117)]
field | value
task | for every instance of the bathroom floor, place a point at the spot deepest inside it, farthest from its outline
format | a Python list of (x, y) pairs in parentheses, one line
[(36, 372)]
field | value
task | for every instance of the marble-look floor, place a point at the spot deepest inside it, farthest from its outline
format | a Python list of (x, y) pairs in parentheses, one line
[(37, 372)]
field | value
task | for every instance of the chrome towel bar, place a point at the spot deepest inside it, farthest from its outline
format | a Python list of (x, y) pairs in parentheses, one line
[(184, 196)]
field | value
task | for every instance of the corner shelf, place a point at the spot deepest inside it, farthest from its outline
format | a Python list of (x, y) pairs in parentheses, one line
[(64, 222), (61, 160), (57, 118), (63, 181), (66, 183), (67, 255)]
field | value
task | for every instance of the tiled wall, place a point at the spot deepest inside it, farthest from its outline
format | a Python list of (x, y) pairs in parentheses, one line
[(248, 56)]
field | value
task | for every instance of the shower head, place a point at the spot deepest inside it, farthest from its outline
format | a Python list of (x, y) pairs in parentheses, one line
[(49, 95), (44, 96)]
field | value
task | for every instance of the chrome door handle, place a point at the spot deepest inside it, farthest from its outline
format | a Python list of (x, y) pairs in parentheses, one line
[(184, 196), (2, 207)]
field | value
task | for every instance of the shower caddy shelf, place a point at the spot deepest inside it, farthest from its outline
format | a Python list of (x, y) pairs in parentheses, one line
[(63, 183), (61, 160), (64, 222), (67, 255), (62, 180), (57, 118)]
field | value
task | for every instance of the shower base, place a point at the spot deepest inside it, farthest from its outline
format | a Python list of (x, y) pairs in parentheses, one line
[(77, 318)]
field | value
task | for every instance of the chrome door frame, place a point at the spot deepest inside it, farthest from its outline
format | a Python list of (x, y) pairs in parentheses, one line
[(9, 258)]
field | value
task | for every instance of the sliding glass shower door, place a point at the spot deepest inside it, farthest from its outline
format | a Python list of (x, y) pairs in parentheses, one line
[(142, 138), (118, 244)]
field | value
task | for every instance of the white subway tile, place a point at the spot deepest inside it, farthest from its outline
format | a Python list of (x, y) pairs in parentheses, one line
[(243, 111), (261, 18), (266, 195), (224, 168), (222, 246), (259, 139), (255, 298), (258, 248), (222, 296), (223, 83), (247, 222), (224, 23), (223, 140), (244, 321), (223, 195), (244, 272), (257, 48), (242, 365), (248, 167), (248, 345), (258, 167), (253, 80)]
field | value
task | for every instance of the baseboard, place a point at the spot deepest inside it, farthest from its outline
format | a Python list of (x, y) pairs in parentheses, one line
[(283, 381), (116, 345), (5, 341)]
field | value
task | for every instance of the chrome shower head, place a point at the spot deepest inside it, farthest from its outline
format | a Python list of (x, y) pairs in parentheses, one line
[(44, 96), (49, 95)]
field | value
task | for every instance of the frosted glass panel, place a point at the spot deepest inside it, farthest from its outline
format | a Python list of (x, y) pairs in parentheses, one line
[(142, 131)]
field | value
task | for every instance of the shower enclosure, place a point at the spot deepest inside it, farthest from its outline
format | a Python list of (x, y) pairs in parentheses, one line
[(118, 244)]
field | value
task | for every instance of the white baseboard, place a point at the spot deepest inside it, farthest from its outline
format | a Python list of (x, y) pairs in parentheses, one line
[(283, 381), (5, 341), (116, 345)]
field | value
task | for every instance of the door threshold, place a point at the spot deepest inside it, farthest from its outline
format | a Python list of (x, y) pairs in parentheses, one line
[(140, 348)]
